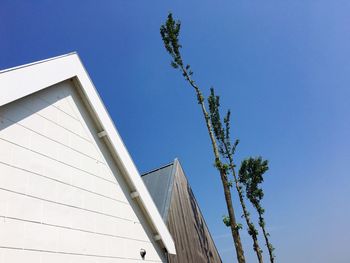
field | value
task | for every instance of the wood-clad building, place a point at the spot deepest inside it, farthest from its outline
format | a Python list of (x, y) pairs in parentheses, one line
[(177, 205)]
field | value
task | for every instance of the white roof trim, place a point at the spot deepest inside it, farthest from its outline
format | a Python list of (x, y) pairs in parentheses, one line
[(22, 81)]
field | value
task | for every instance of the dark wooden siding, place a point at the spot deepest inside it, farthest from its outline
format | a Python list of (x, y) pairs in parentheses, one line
[(188, 228)]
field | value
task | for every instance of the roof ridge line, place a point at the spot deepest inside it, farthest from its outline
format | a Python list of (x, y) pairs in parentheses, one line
[(159, 168)]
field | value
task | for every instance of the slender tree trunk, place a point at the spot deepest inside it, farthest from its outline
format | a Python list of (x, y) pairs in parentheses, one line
[(233, 223), (227, 192), (250, 225), (256, 246), (266, 236)]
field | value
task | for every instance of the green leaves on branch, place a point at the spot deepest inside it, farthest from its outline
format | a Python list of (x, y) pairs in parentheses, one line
[(222, 133), (221, 166), (252, 230), (271, 248), (251, 170), (226, 220), (251, 176), (227, 150), (239, 226), (170, 34)]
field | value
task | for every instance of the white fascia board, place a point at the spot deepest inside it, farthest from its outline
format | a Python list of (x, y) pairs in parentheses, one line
[(24, 80)]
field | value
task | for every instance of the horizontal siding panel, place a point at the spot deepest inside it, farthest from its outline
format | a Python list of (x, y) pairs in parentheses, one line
[(60, 98), (11, 179), (60, 258), (33, 105), (56, 192), (62, 197), (20, 206), (43, 237), (19, 255), (40, 165), (26, 208), (100, 170), (49, 129)]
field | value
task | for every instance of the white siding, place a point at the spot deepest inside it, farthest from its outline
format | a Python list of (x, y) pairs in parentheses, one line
[(62, 199)]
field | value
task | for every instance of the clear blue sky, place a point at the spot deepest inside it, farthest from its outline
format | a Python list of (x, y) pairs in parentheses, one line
[(283, 67)]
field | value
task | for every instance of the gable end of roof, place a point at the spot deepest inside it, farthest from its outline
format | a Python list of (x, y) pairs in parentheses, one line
[(18, 82)]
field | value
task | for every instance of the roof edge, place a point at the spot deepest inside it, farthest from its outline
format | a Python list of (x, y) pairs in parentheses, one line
[(38, 62), (21, 81), (157, 169)]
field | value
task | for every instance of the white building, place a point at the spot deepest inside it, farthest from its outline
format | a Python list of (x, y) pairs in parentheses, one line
[(69, 191)]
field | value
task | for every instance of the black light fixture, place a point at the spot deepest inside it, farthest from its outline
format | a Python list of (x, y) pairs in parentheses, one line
[(143, 253)]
